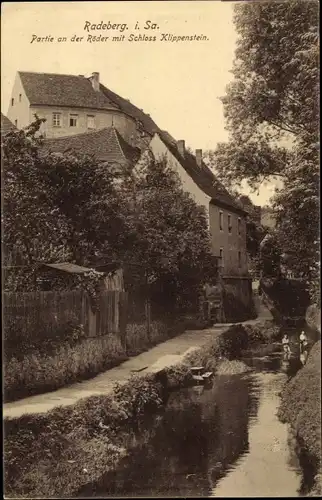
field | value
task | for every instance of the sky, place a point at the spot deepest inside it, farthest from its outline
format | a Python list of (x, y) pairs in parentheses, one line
[(178, 83)]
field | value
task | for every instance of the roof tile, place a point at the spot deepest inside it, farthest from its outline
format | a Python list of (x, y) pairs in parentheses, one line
[(50, 89), (6, 124), (202, 176), (107, 145)]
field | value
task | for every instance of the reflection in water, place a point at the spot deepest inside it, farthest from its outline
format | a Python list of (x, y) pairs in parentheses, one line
[(215, 442), (303, 357), (236, 405), (266, 469)]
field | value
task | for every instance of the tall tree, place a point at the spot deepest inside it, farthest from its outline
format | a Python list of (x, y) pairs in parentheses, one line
[(170, 236), (272, 114), (55, 207)]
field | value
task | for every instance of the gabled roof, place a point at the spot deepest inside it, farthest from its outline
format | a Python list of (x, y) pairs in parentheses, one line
[(106, 145), (128, 108), (50, 89), (6, 124), (202, 176)]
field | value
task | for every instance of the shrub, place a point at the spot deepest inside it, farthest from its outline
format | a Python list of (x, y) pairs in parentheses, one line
[(178, 376), (79, 358), (38, 373), (139, 396), (57, 453), (290, 297), (301, 402)]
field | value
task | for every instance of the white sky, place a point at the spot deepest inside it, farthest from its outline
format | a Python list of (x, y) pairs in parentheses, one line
[(178, 84)]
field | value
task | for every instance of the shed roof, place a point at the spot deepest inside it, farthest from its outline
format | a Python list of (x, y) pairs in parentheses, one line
[(68, 267)]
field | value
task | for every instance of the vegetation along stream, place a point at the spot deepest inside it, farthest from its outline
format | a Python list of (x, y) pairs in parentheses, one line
[(224, 440)]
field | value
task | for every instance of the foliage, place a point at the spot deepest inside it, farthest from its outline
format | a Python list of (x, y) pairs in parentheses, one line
[(169, 231), (55, 207), (290, 297), (138, 337), (138, 396), (270, 256), (49, 369), (81, 214), (178, 376), (313, 317), (56, 453), (272, 115), (51, 364), (301, 403)]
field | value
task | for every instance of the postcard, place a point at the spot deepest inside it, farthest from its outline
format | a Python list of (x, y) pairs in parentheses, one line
[(160, 249)]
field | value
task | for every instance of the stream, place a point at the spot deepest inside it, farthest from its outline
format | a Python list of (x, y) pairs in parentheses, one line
[(225, 440)]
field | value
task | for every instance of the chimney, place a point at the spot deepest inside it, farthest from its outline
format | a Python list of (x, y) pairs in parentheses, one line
[(95, 79), (199, 157), (181, 147)]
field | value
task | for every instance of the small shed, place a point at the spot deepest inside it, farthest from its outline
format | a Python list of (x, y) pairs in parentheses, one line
[(63, 273)]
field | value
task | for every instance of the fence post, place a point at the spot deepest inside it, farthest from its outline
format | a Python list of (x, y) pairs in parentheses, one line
[(123, 309), (91, 320)]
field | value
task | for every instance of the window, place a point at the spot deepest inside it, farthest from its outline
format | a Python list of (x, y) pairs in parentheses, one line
[(56, 120), (19, 97), (12, 101), (16, 123), (90, 121), (239, 259), (239, 226), (221, 257), (73, 120), (221, 221), (229, 224)]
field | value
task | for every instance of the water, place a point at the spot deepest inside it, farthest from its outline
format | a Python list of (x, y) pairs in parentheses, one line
[(223, 441)]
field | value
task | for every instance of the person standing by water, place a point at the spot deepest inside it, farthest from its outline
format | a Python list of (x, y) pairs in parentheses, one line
[(286, 347), (303, 342)]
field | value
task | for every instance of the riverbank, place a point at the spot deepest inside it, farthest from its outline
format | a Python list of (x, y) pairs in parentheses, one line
[(301, 408), (59, 452)]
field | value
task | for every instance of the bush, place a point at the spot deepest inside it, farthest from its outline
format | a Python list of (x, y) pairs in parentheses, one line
[(301, 403), (178, 376), (313, 317), (57, 453), (290, 297), (139, 396), (79, 359), (231, 344), (38, 373)]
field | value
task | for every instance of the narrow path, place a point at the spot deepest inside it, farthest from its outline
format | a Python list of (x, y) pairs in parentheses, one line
[(103, 383)]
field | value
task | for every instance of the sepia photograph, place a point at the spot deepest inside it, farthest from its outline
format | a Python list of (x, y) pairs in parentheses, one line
[(160, 201)]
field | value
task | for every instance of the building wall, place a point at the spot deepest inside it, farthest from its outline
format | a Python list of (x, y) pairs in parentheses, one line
[(18, 113), (24, 114), (124, 124), (230, 243), (160, 150)]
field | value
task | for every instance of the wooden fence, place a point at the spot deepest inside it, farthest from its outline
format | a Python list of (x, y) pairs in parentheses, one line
[(43, 314)]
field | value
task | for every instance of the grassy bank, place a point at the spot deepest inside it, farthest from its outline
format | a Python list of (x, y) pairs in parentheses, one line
[(39, 372), (301, 407), (60, 452)]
